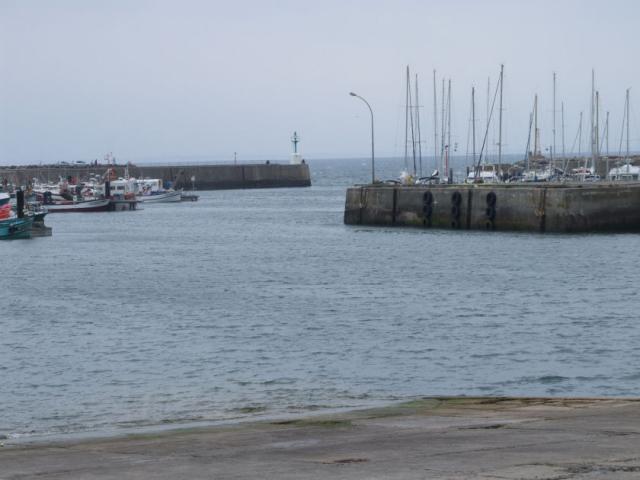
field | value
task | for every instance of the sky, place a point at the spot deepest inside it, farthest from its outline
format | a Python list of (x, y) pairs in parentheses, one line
[(162, 80)]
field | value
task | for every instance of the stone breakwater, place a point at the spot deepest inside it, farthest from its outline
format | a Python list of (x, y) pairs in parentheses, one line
[(562, 208), (206, 177)]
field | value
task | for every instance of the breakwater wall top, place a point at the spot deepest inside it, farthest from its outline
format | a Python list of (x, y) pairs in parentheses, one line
[(205, 177), (543, 207)]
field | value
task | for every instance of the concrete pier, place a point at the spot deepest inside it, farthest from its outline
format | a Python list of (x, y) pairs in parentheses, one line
[(563, 208), (207, 177), (433, 438)]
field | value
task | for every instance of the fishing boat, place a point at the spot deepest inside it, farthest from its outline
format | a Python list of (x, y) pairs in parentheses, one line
[(11, 226), (99, 205), (5, 205), (15, 228), (150, 190), (167, 196), (625, 173)]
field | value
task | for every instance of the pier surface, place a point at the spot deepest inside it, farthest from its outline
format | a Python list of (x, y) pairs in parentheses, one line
[(206, 177), (434, 438)]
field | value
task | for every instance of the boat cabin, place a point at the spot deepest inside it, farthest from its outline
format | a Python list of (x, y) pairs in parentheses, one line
[(625, 173)]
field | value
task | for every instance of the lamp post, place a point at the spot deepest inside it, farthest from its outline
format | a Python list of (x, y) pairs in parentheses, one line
[(373, 163)]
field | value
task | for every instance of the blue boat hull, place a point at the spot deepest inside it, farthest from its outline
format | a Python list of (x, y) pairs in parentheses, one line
[(15, 228)]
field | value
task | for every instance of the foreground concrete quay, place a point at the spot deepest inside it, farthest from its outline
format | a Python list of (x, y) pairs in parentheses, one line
[(541, 207), (435, 438)]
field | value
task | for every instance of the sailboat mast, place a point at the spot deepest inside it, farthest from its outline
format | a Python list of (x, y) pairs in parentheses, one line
[(449, 114), (435, 121), (413, 133), (554, 119), (627, 104), (607, 144), (448, 127), (586, 158), (527, 152), (500, 122), (593, 96), (473, 124), (443, 129), (406, 123), (536, 137), (597, 129), (580, 137), (607, 136), (564, 153), (488, 99), (418, 127)]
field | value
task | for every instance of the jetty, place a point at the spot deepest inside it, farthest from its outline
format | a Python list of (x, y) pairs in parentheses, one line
[(540, 207), (200, 177)]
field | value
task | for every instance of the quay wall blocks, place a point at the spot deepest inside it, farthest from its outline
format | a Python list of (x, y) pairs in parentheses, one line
[(536, 208), (207, 177)]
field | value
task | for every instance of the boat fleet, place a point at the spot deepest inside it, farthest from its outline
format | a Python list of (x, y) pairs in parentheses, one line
[(23, 209), (535, 167)]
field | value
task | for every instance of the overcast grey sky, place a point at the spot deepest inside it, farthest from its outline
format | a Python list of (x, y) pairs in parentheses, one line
[(161, 78)]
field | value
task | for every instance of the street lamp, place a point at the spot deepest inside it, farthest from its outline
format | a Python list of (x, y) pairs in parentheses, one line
[(373, 163)]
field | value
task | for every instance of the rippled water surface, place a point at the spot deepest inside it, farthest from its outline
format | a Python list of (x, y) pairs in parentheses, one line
[(261, 302)]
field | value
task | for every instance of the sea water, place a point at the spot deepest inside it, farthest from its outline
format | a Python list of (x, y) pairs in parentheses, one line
[(258, 303)]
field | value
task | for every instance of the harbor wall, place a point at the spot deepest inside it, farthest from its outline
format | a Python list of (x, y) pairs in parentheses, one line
[(533, 208), (207, 177)]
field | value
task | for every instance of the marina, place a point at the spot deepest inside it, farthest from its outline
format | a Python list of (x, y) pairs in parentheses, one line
[(330, 240), (80, 189), (537, 194)]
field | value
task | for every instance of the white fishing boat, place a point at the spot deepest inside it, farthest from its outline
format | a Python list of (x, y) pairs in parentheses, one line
[(99, 205), (162, 197), (150, 190)]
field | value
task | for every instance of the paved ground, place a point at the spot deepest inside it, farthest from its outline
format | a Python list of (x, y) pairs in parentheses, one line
[(453, 438)]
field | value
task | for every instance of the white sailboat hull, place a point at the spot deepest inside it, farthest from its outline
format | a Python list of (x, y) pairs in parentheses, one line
[(166, 197)]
